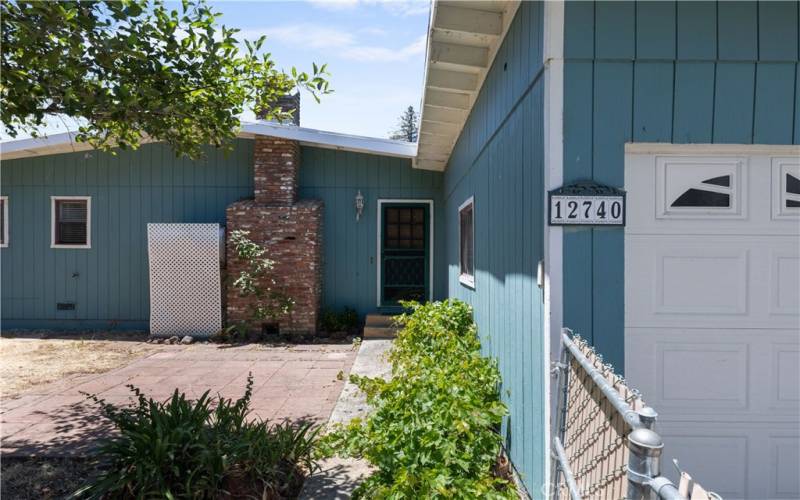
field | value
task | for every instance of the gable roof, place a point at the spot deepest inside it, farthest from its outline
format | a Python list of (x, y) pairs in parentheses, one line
[(463, 39), (65, 142)]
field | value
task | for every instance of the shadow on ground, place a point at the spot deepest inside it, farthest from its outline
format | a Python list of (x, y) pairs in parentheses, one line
[(121, 335), (72, 431)]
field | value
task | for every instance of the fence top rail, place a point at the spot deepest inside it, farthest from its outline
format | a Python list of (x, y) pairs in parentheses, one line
[(644, 418)]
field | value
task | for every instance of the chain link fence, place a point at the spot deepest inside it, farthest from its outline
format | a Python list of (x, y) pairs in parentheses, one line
[(605, 446)]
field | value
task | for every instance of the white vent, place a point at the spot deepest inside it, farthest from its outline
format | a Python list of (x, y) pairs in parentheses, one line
[(185, 296)]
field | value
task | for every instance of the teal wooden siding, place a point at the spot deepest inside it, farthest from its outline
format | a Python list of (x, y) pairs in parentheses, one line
[(109, 282), (674, 72), (350, 246), (498, 159)]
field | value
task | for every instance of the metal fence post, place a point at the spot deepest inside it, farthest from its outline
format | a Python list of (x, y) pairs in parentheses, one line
[(561, 369), (644, 462)]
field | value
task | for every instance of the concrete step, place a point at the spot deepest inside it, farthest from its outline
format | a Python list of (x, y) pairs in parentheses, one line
[(380, 332), (379, 320)]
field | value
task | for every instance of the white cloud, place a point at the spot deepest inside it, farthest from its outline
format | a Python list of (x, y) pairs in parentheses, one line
[(396, 7), (375, 53), (309, 35), (344, 43)]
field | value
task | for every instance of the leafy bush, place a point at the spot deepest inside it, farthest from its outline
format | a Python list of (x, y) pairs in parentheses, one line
[(181, 448), (270, 302), (344, 321), (432, 431)]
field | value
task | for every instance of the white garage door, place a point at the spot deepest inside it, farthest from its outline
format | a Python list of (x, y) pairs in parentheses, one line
[(712, 310)]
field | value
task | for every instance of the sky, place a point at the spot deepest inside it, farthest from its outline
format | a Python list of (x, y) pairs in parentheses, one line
[(375, 51)]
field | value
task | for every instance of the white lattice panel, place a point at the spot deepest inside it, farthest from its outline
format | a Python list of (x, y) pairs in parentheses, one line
[(185, 296)]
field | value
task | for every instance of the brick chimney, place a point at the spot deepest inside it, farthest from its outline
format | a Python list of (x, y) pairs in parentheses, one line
[(287, 103), (290, 229)]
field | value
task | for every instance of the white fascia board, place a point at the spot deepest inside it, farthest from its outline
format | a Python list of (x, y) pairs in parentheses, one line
[(65, 142), (36, 146), (332, 140)]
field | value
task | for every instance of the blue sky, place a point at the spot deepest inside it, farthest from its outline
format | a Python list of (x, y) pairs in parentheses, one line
[(374, 50)]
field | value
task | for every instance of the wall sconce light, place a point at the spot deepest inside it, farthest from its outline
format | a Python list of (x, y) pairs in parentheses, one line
[(359, 205)]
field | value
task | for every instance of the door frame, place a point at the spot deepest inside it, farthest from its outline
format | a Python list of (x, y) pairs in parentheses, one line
[(379, 241)]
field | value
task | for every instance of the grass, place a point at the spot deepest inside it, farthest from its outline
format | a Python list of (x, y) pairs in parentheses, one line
[(30, 359)]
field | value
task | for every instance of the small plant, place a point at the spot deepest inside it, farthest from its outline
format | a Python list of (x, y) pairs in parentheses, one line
[(433, 430), (254, 281), (344, 321), (206, 448)]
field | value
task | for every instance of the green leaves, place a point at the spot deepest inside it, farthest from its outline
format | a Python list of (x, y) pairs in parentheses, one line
[(254, 281), (197, 449), (431, 434), (135, 70)]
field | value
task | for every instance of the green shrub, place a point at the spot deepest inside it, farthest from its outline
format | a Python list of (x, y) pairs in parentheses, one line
[(432, 431), (269, 301), (206, 448), (344, 321)]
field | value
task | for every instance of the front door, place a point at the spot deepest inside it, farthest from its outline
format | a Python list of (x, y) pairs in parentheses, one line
[(404, 256)]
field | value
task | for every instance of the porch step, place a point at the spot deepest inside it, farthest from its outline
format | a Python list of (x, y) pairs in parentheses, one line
[(379, 326)]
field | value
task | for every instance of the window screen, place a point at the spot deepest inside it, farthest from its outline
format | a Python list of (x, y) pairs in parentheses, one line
[(467, 243), (71, 222)]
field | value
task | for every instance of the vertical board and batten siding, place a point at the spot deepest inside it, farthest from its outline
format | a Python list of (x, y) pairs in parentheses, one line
[(108, 282), (498, 159), (672, 72), (350, 257)]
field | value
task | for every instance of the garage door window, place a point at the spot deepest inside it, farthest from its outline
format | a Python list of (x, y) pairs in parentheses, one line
[(792, 191), (707, 194), (699, 187)]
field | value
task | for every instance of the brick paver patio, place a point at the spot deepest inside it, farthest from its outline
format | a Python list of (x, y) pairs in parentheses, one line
[(297, 382)]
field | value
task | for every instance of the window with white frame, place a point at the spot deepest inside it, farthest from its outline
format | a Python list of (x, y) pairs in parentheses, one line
[(71, 222), (466, 244), (3, 221)]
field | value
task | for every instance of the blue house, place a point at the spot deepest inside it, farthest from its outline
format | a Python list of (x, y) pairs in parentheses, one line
[(691, 108)]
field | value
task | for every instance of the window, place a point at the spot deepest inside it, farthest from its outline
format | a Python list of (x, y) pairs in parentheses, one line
[(792, 191), (466, 217), (3, 221), (707, 194), (71, 222)]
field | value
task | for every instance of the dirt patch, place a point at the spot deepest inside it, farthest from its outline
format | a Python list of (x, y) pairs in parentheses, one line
[(59, 478), (45, 479), (28, 359)]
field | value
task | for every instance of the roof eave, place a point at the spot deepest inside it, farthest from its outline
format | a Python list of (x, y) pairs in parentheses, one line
[(463, 40), (65, 142)]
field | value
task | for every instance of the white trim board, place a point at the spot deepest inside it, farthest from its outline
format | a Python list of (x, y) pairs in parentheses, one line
[(645, 148), (88, 200), (65, 142), (381, 201), (553, 55), (4, 199)]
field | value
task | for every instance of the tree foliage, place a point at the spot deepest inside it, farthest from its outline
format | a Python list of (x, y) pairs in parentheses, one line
[(133, 69), (407, 126)]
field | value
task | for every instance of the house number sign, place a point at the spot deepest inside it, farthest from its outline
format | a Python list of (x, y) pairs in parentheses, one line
[(587, 204)]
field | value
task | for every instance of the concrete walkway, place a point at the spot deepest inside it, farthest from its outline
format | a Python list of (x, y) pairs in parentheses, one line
[(338, 477), (292, 382)]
